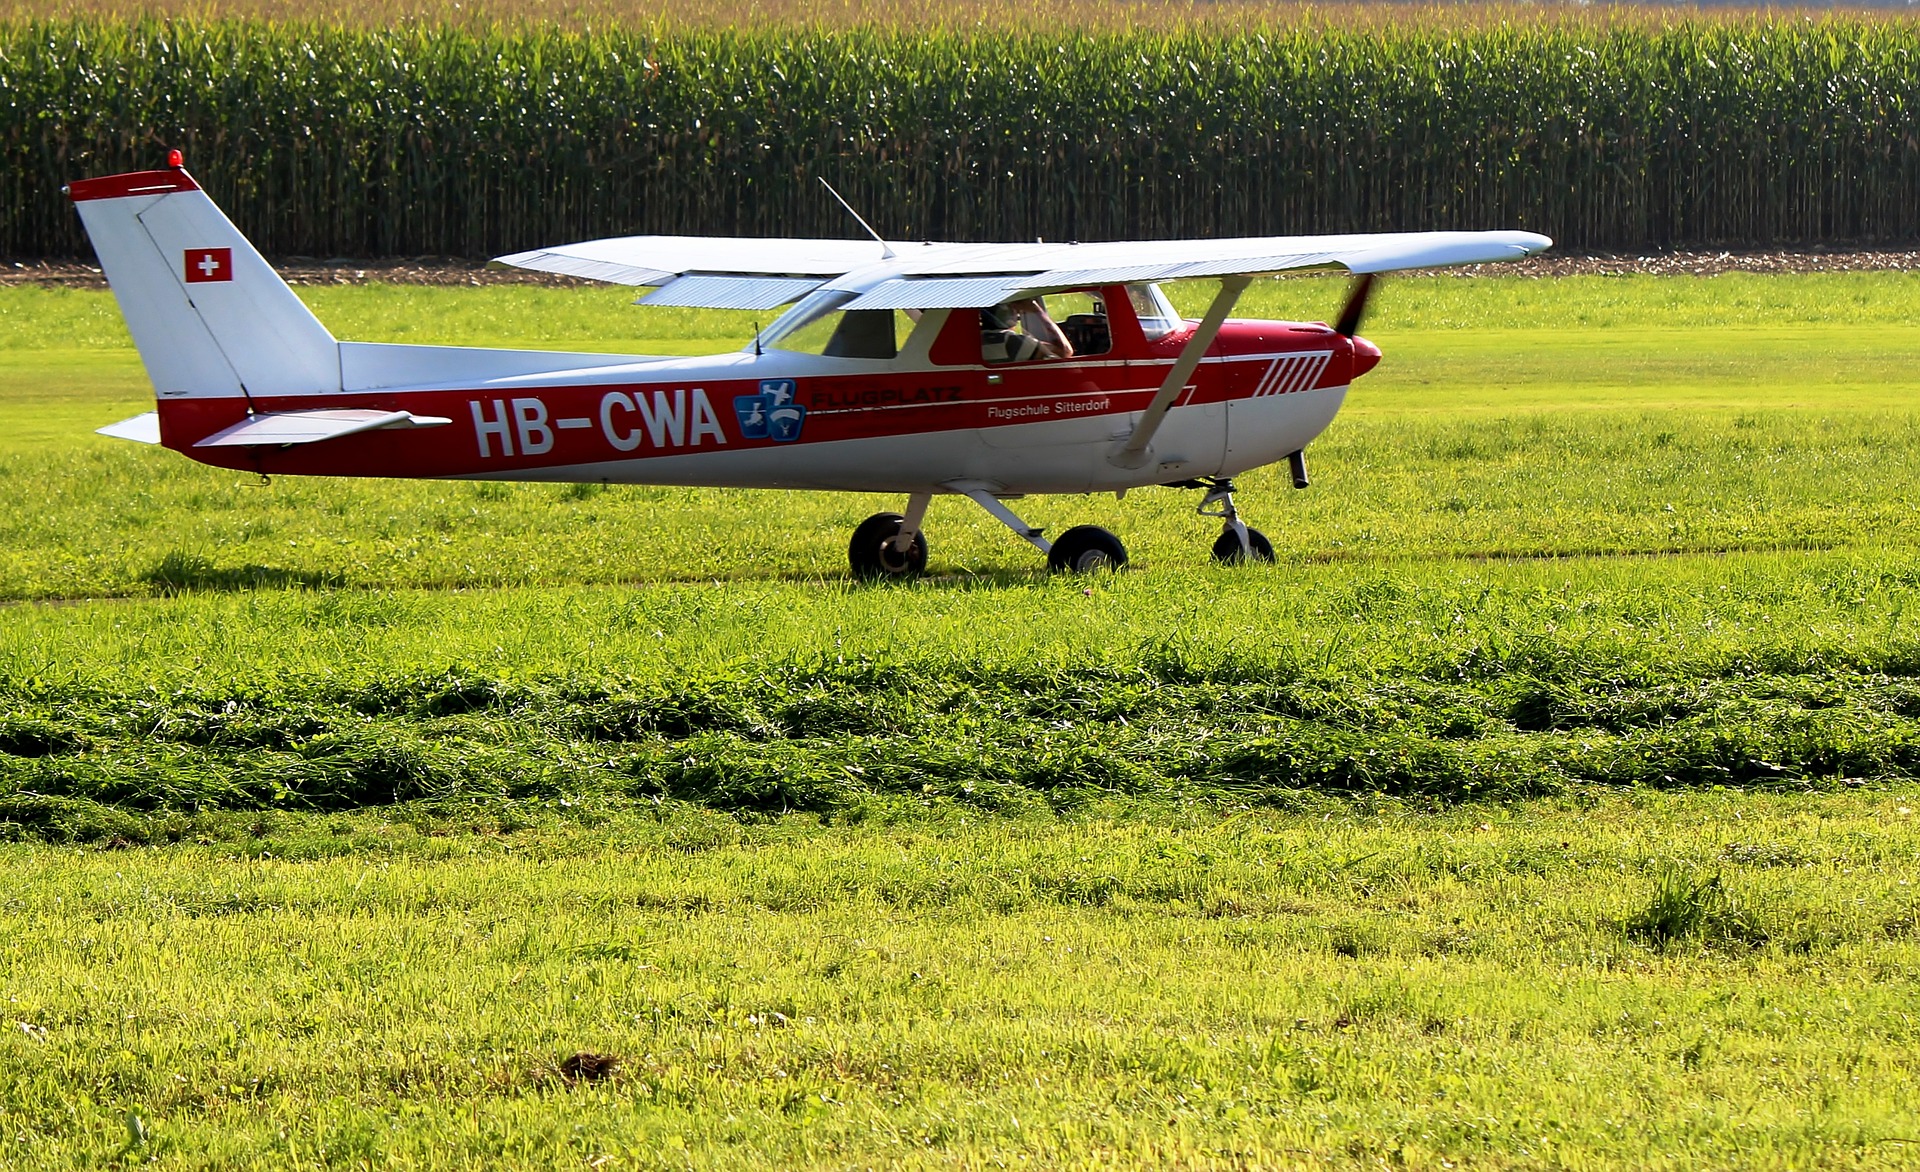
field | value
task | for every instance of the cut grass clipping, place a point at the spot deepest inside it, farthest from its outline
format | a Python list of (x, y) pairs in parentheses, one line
[(845, 740)]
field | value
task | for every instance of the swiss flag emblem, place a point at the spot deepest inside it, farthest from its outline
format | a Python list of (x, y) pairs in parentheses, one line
[(209, 264)]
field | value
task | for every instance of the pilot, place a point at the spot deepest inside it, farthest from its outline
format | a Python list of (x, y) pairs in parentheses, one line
[(1037, 335)]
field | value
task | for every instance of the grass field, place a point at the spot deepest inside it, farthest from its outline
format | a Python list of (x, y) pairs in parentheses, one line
[(1549, 803), (1092, 15)]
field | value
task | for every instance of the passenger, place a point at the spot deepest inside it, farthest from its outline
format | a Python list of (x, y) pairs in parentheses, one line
[(1021, 331)]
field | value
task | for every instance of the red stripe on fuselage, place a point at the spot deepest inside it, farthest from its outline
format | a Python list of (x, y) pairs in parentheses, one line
[(501, 432)]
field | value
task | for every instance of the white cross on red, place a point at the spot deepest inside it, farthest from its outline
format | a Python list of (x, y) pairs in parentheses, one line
[(208, 264)]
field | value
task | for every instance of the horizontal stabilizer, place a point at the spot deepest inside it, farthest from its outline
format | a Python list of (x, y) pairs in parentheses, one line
[(274, 428), (141, 429)]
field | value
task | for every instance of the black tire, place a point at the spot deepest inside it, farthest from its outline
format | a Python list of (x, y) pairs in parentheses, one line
[(1086, 549), (1227, 550), (871, 551)]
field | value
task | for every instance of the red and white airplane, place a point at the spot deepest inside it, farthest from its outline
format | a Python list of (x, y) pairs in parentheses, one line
[(990, 371)]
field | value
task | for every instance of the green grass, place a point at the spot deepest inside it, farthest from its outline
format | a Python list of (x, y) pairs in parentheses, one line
[(1549, 804), (1188, 989)]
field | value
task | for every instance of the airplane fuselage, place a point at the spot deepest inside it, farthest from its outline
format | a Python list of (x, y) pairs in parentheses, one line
[(934, 414)]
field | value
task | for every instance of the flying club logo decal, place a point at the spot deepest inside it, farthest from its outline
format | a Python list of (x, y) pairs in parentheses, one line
[(771, 414), (209, 264)]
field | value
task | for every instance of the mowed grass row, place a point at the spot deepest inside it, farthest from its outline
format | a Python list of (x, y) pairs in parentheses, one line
[(458, 138)]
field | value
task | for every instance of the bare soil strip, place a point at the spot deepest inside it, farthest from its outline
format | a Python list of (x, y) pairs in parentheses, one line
[(450, 271), (307, 271)]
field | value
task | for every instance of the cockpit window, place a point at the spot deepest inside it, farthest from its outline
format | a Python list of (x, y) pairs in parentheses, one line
[(818, 325), (1028, 330), (1157, 318)]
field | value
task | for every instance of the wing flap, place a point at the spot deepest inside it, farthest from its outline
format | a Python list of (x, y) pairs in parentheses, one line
[(710, 291), (567, 264), (276, 428), (939, 292)]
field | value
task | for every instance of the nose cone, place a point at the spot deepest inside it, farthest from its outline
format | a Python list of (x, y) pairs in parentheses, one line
[(1366, 356)]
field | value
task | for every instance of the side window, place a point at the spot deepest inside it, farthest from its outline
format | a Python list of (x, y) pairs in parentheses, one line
[(1157, 318), (864, 333), (1036, 329)]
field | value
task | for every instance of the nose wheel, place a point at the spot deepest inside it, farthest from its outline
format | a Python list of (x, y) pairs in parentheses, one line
[(1228, 551), (1238, 542)]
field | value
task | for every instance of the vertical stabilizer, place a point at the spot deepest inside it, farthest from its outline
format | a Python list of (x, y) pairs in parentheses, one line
[(209, 316)]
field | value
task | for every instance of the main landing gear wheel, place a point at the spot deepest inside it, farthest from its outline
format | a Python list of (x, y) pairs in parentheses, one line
[(873, 555), (1086, 549), (1227, 549)]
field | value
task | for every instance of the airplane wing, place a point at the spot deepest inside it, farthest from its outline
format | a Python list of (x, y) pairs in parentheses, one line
[(739, 273), (1006, 272)]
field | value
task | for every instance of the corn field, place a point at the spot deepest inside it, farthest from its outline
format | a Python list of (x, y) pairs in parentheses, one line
[(324, 140)]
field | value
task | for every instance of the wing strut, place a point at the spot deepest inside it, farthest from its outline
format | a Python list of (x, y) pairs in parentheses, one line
[(1134, 454)]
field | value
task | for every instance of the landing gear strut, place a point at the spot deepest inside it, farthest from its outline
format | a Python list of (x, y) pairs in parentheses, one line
[(1083, 549), (1238, 542), (892, 545)]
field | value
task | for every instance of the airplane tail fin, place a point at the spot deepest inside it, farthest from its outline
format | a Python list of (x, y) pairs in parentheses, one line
[(210, 317)]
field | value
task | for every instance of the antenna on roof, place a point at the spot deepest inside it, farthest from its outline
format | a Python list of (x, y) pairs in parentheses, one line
[(886, 250)]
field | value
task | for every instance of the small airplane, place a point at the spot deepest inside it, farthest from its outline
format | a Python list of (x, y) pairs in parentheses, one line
[(988, 371)]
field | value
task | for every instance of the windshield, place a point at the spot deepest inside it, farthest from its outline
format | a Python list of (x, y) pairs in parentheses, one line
[(805, 312), (818, 325), (1157, 318)]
